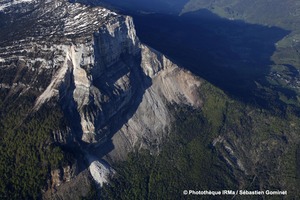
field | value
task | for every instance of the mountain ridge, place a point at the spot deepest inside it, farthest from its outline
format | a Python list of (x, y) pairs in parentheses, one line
[(111, 90), (84, 101)]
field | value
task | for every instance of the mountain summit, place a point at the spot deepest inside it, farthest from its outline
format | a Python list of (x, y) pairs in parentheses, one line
[(113, 91), (87, 110)]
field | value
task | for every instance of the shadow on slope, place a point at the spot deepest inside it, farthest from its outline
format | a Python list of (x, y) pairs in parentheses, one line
[(130, 100), (120, 105), (232, 55)]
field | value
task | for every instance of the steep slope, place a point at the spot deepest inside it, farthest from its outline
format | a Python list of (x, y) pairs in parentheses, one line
[(252, 150), (226, 144), (80, 92), (88, 63), (268, 42)]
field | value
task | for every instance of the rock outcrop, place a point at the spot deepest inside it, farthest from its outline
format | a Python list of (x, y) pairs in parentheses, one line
[(107, 82), (114, 91)]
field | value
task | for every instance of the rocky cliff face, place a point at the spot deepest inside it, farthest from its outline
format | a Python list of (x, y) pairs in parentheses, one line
[(113, 90)]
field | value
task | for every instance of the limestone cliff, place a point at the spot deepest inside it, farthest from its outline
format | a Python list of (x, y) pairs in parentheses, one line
[(114, 91)]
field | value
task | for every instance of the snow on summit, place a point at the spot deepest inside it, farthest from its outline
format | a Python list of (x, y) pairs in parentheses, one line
[(7, 3)]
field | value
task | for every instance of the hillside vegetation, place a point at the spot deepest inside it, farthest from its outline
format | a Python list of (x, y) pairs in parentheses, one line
[(27, 151), (225, 145)]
